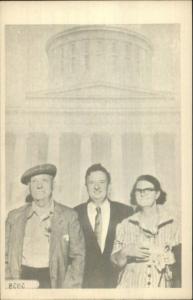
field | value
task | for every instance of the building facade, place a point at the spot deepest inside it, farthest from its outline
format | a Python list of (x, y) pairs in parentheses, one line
[(99, 106)]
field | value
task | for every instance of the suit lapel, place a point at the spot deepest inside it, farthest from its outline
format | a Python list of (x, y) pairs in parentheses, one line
[(20, 233), (110, 233), (111, 229), (56, 225)]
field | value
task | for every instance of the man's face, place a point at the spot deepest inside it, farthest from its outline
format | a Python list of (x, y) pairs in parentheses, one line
[(97, 186), (41, 187)]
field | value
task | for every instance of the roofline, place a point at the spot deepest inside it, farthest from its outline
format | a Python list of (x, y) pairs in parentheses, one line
[(98, 27)]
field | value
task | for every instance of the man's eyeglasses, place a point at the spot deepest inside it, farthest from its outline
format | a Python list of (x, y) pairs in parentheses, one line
[(144, 191)]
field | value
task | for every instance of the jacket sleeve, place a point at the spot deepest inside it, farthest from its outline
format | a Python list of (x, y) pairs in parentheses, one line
[(75, 271)]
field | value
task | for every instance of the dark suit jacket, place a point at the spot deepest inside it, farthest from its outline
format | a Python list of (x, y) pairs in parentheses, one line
[(99, 271), (67, 247)]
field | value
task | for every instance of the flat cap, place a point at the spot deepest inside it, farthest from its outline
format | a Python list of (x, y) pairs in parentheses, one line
[(37, 170)]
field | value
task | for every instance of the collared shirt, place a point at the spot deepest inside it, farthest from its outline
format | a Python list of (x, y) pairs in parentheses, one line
[(105, 211), (161, 239), (36, 239)]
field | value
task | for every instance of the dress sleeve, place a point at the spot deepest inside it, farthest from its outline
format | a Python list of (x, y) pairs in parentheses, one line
[(120, 238)]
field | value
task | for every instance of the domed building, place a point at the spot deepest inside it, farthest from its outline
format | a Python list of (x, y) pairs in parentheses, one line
[(101, 55), (99, 107)]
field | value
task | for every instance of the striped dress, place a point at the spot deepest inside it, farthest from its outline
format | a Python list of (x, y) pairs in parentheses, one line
[(153, 273)]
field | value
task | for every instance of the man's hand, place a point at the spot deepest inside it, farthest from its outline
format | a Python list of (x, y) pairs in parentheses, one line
[(140, 253)]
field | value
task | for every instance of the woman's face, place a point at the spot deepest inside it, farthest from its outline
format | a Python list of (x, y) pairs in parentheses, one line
[(145, 193)]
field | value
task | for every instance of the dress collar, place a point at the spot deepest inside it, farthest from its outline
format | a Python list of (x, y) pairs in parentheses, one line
[(164, 217)]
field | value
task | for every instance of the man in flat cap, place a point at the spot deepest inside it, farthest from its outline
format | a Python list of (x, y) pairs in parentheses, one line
[(44, 241)]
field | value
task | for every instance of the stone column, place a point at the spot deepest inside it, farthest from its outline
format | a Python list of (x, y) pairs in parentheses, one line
[(117, 167), (132, 70), (85, 162), (149, 69), (53, 156), (143, 78), (148, 154), (128, 63), (19, 167)]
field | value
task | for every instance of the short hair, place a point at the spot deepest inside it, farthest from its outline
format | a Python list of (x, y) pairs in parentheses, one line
[(156, 184), (95, 168)]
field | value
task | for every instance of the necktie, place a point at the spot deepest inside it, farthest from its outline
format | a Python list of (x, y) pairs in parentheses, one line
[(98, 225)]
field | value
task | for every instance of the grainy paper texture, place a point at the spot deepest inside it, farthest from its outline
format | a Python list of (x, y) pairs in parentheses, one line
[(60, 103)]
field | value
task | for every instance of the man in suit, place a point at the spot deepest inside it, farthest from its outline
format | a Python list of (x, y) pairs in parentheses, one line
[(99, 217), (44, 241)]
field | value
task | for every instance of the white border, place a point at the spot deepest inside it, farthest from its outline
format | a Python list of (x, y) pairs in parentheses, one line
[(116, 12)]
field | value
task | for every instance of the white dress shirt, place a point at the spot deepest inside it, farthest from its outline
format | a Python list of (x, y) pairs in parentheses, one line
[(105, 211)]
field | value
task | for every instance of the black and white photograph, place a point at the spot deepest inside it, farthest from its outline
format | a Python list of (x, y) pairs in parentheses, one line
[(93, 158)]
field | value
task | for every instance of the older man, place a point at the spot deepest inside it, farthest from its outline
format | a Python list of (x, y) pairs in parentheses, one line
[(44, 241), (99, 217)]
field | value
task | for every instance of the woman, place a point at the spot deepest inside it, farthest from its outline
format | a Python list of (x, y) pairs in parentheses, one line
[(144, 242)]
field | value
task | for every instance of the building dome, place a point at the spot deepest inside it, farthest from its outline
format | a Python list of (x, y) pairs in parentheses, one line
[(90, 54)]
